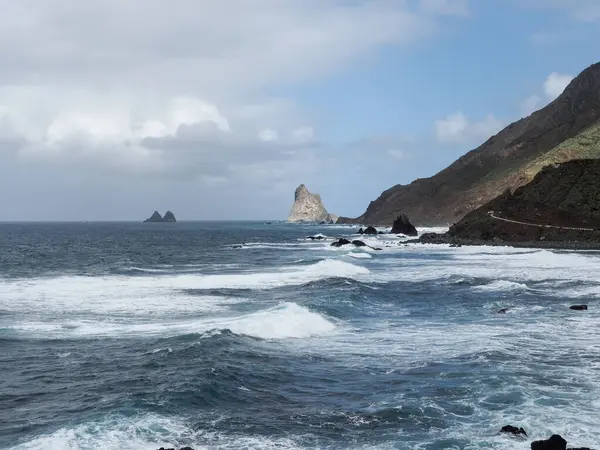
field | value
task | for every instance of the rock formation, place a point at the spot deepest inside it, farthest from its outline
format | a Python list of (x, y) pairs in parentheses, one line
[(567, 128), (156, 217), (308, 208), (403, 226)]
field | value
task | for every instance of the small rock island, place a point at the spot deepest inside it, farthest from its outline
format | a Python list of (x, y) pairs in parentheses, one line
[(169, 217), (309, 208)]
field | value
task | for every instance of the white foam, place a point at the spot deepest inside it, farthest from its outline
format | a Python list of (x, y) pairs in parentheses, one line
[(360, 255), (147, 432), (501, 286), (287, 320), (153, 295)]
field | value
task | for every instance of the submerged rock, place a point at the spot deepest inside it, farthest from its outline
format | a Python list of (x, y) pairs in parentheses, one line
[(358, 243), (308, 207), (503, 310), (403, 226), (555, 442), (579, 307), (513, 430)]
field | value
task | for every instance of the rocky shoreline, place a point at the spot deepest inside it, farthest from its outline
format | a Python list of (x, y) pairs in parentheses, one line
[(454, 241)]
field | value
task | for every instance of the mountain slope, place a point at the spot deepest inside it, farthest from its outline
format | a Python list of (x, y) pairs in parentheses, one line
[(507, 160), (561, 203)]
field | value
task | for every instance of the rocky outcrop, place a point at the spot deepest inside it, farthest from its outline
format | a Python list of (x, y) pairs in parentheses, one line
[(403, 226), (308, 208), (169, 217), (516, 431), (578, 307), (156, 217), (507, 160), (555, 442)]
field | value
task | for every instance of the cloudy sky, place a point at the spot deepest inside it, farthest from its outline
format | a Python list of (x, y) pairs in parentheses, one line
[(110, 109)]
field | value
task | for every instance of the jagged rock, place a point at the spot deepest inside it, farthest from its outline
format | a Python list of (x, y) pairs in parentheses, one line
[(579, 307), (340, 242), (308, 208), (156, 217), (358, 243), (403, 226), (169, 217), (370, 230), (555, 442), (517, 431), (360, 231)]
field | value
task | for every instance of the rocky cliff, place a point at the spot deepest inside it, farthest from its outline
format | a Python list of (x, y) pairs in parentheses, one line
[(561, 203), (567, 128), (308, 207)]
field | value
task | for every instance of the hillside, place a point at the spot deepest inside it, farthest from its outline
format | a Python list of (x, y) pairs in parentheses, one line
[(565, 129), (561, 203)]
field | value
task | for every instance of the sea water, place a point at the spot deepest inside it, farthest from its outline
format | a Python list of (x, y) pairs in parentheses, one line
[(251, 336)]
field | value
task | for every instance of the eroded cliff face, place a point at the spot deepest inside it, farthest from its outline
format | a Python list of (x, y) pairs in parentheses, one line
[(308, 207)]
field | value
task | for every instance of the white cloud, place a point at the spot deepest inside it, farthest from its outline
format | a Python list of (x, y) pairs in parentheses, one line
[(112, 88), (457, 128), (555, 84)]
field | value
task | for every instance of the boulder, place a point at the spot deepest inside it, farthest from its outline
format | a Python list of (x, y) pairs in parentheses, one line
[(579, 307), (403, 226), (555, 442), (340, 242), (360, 231), (370, 230), (513, 430), (503, 311), (358, 243)]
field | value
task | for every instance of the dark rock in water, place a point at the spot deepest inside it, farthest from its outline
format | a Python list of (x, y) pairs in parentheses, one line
[(358, 243), (341, 242), (169, 217), (182, 448), (360, 231), (503, 311), (377, 248), (555, 442), (513, 430), (318, 237), (579, 307), (156, 217), (455, 245), (370, 230), (403, 226), (238, 246)]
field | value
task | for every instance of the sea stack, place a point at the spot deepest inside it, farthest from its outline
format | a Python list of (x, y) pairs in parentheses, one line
[(308, 208), (157, 218)]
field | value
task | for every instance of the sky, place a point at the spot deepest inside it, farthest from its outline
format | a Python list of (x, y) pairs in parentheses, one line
[(218, 110)]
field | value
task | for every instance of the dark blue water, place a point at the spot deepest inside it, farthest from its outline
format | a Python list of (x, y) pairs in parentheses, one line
[(249, 336)]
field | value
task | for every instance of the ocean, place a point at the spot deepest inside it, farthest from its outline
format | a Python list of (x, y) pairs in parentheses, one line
[(242, 335)]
